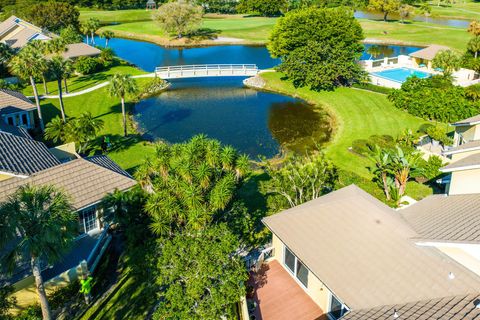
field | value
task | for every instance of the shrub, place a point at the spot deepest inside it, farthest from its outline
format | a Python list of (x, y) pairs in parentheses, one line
[(425, 127), (439, 133), (87, 65), (431, 168), (372, 87), (107, 57), (434, 98)]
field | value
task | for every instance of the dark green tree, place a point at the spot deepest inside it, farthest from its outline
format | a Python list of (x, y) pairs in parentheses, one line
[(7, 302), (318, 47), (202, 274), (54, 15), (267, 8)]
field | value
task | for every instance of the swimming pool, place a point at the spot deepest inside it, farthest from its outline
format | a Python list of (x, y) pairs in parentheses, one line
[(400, 75)]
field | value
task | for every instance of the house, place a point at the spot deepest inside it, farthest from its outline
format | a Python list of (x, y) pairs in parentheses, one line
[(17, 33), (86, 180), (16, 109)]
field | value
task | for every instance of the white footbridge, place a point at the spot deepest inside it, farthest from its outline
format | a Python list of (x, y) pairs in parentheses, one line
[(207, 70)]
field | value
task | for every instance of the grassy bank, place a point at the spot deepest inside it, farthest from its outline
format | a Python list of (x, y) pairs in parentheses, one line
[(137, 24), (468, 10), (359, 114)]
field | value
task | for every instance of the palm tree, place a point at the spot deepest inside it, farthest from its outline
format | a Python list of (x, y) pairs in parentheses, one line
[(107, 34), (57, 67), (28, 64), (382, 169), (93, 24), (474, 45), (38, 221), (59, 131), (86, 128), (404, 166), (5, 53), (120, 86), (84, 28)]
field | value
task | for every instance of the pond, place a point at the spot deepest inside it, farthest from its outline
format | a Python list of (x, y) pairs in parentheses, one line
[(256, 123), (458, 23)]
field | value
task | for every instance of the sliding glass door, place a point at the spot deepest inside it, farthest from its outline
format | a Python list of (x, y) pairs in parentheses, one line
[(298, 269)]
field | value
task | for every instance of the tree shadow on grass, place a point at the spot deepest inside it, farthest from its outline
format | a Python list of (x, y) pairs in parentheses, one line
[(203, 34)]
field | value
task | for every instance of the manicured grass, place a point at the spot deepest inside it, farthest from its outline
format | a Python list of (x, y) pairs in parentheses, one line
[(416, 33), (84, 82), (127, 152), (358, 114), (116, 16), (469, 10)]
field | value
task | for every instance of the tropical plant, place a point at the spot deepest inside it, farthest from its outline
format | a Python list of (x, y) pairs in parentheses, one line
[(92, 25), (7, 302), (431, 167), (6, 52), (202, 275), (29, 63), (448, 61), (40, 222), (107, 35), (122, 85), (474, 45), (384, 6), (190, 183), (439, 133), (404, 166), (299, 179), (59, 68), (382, 160), (318, 47), (86, 65), (70, 35), (179, 17)]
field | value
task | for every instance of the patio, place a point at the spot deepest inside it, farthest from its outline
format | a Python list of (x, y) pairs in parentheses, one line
[(278, 296)]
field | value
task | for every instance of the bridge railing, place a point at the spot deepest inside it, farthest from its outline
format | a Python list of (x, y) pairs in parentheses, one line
[(208, 67)]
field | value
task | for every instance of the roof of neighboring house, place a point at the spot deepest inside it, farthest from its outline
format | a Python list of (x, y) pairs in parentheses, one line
[(454, 308), (18, 131), (150, 2), (13, 101), (429, 52), (468, 122), (453, 218), (361, 250), (81, 49), (25, 33), (469, 146), (85, 181), (23, 156), (469, 162)]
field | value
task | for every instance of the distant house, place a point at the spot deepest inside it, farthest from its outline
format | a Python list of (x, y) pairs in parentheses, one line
[(17, 33), (425, 56), (16, 109), (355, 258), (86, 180)]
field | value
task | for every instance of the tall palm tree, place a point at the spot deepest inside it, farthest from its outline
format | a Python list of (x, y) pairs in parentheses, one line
[(93, 24), (84, 28), (122, 85), (107, 34), (28, 64), (474, 45), (57, 67), (38, 221)]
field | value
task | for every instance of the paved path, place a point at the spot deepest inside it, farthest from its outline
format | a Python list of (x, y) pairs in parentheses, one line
[(95, 87)]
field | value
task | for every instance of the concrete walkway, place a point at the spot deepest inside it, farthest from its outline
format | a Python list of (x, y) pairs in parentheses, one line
[(95, 87)]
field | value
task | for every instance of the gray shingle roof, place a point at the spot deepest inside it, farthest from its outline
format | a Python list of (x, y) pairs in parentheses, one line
[(13, 101), (108, 163), (363, 252), (469, 146), (451, 308), (469, 162), (454, 218), (18, 131), (86, 182), (468, 121), (81, 49), (23, 156)]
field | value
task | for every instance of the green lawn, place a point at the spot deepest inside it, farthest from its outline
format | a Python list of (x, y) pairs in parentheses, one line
[(84, 82), (115, 16), (416, 33), (358, 114), (469, 10)]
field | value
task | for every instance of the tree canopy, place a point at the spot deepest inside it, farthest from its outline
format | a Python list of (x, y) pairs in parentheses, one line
[(179, 17), (384, 6), (53, 15), (263, 7), (318, 47), (202, 276)]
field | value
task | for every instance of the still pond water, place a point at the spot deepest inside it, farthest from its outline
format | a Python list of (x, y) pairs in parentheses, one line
[(256, 123)]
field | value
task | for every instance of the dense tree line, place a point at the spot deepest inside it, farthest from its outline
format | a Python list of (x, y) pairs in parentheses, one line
[(435, 98)]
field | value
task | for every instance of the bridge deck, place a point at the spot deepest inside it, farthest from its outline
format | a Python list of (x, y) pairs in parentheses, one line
[(207, 70)]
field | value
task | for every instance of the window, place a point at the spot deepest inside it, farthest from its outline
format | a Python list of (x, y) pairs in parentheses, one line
[(24, 119), (296, 267), (337, 309), (289, 260), (88, 220), (10, 121)]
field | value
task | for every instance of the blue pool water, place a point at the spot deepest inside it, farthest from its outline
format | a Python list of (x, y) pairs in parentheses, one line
[(401, 74)]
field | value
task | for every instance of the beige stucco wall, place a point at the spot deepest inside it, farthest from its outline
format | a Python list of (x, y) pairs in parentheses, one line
[(316, 289), (469, 133), (465, 182)]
